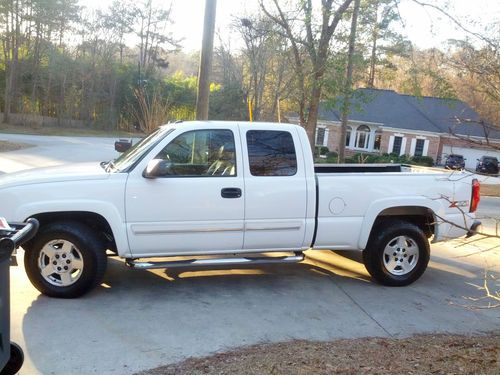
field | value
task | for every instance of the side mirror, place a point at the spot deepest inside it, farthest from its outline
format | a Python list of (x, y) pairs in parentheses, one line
[(157, 168), (123, 145)]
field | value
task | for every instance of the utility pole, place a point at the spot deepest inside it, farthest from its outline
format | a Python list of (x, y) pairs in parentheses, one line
[(206, 60), (348, 83)]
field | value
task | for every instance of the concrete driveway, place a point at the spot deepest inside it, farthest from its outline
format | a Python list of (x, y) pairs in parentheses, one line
[(141, 319)]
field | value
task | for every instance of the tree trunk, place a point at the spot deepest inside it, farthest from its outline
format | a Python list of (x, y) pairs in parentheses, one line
[(312, 118), (373, 57)]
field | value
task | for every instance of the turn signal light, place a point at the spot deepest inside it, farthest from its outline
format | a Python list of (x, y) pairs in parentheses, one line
[(476, 197)]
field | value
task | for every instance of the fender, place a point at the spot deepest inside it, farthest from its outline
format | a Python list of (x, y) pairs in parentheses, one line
[(378, 206), (105, 209)]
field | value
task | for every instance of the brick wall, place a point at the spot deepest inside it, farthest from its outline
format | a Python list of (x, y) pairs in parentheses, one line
[(434, 150), (333, 138)]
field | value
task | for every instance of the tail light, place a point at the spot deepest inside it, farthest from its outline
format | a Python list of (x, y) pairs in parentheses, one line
[(475, 197)]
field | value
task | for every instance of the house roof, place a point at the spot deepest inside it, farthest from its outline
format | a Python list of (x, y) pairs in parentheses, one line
[(408, 112)]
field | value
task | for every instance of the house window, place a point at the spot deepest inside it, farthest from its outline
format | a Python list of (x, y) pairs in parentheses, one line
[(419, 147), (378, 140), (320, 136), (396, 148), (348, 136), (362, 136)]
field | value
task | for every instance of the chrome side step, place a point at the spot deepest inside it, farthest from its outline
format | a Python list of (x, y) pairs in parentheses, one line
[(298, 257)]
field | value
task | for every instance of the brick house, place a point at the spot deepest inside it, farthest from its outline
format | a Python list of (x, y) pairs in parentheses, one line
[(383, 121)]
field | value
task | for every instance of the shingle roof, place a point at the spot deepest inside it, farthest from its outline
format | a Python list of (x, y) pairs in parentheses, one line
[(399, 111)]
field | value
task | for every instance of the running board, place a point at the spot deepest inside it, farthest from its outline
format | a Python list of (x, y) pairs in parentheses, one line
[(298, 257)]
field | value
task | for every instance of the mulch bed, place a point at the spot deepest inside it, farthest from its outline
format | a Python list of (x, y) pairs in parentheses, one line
[(423, 354)]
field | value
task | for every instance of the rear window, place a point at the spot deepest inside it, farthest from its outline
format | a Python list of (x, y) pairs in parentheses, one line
[(271, 153)]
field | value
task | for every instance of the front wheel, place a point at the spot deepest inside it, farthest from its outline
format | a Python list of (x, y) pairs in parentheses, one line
[(15, 362), (65, 260), (397, 253)]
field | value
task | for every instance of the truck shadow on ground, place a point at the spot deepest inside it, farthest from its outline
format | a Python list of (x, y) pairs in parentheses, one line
[(163, 316)]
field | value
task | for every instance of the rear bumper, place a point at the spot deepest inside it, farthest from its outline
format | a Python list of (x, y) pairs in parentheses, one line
[(473, 229), (455, 226)]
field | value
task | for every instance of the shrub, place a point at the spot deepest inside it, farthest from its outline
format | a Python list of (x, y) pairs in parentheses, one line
[(321, 151), (422, 160)]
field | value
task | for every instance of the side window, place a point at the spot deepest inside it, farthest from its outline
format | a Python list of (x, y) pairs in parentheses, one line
[(419, 147), (271, 153), (396, 148), (200, 153)]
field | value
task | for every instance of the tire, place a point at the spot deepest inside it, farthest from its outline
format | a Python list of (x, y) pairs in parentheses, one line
[(65, 260), (15, 362), (397, 253)]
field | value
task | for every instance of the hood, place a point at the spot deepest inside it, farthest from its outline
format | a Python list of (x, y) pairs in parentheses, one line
[(62, 173)]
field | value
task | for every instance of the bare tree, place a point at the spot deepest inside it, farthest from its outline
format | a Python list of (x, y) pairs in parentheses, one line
[(311, 47)]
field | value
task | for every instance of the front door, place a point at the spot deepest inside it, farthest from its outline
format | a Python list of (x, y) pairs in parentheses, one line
[(197, 205)]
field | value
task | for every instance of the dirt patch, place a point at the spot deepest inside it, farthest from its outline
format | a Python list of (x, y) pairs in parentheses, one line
[(490, 190), (425, 354), (11, 146)]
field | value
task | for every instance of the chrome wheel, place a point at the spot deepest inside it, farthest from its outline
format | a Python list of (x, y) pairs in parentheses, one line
[(400, 255), (60, 263)]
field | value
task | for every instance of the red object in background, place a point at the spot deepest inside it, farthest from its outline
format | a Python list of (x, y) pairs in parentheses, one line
[(476, 197)]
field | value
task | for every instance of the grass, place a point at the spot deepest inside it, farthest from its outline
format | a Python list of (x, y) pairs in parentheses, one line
[(59, 131), (490, 190)]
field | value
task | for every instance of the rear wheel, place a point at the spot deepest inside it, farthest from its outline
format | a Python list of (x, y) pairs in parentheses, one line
[(397, 253), (65, 260)]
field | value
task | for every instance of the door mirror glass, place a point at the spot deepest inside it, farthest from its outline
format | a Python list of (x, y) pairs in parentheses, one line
[(123, 145), (157, 168)]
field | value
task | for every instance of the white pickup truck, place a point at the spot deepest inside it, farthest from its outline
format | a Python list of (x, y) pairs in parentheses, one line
[(231, 193)]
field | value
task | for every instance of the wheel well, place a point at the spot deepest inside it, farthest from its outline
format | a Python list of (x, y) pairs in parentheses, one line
[(422, 217), (91, 219)]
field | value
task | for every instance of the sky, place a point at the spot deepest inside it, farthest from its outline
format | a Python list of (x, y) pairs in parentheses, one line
[(424, 27)]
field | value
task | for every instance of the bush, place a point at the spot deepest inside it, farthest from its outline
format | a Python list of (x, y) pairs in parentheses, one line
[(321, 151), (423, 160)]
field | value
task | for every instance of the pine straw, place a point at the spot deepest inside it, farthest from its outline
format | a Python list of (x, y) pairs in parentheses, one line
[(423, 354)]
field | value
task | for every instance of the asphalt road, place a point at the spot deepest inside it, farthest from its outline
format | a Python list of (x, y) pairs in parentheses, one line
[(137, 320)]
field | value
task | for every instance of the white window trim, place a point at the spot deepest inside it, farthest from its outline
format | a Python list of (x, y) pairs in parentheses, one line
[(403, 147), (426, 148), (325, 137), (413, 146), (391, 144), (368, 138)]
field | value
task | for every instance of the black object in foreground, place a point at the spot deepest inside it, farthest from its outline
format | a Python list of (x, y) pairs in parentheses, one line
[(11, 237)]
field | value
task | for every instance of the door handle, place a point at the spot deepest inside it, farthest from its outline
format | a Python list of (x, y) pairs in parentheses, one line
[(230, 193)]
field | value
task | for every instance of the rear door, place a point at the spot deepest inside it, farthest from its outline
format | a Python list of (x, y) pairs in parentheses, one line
[(275, 188)]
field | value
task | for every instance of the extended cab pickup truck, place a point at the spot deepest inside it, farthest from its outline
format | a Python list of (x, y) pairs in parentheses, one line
[(231, 190)]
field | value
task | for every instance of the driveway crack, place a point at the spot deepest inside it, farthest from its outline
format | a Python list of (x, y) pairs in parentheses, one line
[(361, 308)]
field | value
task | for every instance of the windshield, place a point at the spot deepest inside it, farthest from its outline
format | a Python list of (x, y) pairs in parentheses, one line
[(134, 154)]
